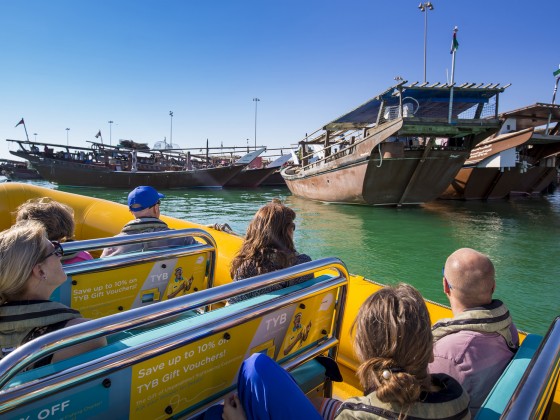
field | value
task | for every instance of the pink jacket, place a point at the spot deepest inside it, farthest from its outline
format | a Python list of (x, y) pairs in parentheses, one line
[(475, 359), (80, 256)]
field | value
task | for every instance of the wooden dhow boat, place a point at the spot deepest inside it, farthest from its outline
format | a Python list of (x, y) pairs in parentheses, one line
[(254, 177), (274, 180), (522, 158), (123, 167), (17, 170), (402, 147), (173, 349)]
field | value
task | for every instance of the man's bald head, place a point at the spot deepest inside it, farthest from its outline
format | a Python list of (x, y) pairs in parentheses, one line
[(471, 277)]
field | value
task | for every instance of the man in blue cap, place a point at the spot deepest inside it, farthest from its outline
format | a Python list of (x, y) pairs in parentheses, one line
[(143, 203)]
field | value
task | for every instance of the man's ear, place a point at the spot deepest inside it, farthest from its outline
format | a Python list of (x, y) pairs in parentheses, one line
[(446, 288)]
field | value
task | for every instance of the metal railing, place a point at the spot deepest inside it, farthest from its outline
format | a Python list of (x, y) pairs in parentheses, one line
[(536, 389), (26, 355), (132, 258), (18, 360)]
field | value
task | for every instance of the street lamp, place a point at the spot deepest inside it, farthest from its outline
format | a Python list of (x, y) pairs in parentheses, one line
[(110, 133), (67, 130), (424, 8), (35, 134), (256, 101), (171, 133)]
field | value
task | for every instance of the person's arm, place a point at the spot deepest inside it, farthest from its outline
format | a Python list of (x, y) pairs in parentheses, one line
[(327, 407), (78, 348), (233, 409), (107, 252)]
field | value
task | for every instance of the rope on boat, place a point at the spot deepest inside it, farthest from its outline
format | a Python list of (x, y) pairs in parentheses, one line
[(224, 227)]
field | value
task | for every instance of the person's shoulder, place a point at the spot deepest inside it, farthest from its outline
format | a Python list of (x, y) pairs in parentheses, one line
[(455, 345), (301, 258), (450, 396), (247, 269), (76, 321)]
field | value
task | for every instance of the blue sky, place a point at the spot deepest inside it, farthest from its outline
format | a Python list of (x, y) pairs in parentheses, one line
[(79, 64)]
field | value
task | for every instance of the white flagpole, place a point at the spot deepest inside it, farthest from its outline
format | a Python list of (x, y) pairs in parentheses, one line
[(453, 50), (557, 75)]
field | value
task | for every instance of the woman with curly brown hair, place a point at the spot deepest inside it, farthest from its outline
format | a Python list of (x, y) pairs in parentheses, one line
[(268, 246), (58, 220), (393, 343)]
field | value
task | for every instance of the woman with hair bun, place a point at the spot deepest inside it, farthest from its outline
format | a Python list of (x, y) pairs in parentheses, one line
[(393, 343)]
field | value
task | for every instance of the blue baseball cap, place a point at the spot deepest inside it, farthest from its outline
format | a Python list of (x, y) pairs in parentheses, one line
[(143, 197)]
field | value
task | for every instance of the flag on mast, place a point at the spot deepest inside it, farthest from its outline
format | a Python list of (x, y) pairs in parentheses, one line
[(20, 122), (454, 42), (98, 134)]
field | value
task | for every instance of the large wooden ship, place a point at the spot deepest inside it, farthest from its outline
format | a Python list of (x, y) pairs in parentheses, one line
[(125, 167), (522, 158), (404, 146)]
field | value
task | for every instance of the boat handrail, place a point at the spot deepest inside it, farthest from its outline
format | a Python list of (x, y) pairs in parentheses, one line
[(536, 387), (123, 260), (93, 244), (29, 353)]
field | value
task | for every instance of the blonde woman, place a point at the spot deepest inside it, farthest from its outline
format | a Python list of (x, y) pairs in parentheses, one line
[(58, 220), (30, 270), (393, 343)]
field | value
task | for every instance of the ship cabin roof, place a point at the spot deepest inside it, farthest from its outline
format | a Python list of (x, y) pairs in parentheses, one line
[(533, 115), (427, 101)]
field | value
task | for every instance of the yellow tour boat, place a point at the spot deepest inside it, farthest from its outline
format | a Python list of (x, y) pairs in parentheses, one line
[(174, 348)]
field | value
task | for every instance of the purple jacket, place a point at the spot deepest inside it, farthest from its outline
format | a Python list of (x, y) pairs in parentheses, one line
[(475, 359)]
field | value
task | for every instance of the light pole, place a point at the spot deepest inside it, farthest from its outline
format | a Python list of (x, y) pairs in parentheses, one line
[(256, 101), (67, 130), (171, 132), (424, 8), (110, 132), (35, 134)]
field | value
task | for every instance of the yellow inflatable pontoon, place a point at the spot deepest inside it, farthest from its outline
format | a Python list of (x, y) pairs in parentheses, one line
[(174, 349)]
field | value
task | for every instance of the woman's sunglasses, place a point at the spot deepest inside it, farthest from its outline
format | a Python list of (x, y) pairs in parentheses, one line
[(58, 251)]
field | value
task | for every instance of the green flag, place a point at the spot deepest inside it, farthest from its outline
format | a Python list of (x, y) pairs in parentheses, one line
[(454, 43)]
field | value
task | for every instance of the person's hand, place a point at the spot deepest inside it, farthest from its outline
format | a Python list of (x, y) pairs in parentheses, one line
[(233, 410)]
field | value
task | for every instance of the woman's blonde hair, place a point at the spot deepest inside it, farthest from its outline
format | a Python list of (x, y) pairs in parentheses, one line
[(57, 218), (394, 344), (21, 248), (269, 237)]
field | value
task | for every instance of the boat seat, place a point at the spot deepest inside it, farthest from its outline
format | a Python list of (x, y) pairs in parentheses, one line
[(501, 393), (183, 367), (107, 286)]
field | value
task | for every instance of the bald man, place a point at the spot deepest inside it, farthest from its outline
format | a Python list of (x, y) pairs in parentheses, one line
[(474, 346)]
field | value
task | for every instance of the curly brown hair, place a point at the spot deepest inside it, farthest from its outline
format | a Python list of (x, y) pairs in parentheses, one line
[(57, 218), (393, 333), (269, 239)]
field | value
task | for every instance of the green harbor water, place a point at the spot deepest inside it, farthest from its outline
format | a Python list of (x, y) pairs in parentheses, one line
[(388, 245)]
